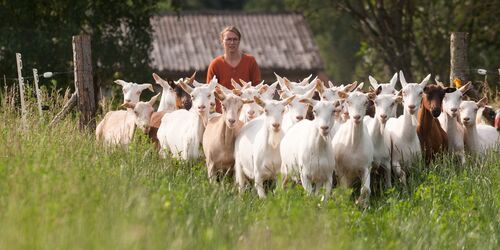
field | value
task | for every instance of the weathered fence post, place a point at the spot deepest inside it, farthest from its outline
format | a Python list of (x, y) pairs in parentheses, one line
[(459, 63), (37, 89), (19, 63), (83, 81)]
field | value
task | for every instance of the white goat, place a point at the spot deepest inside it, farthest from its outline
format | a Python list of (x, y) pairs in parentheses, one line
[(296, 111), (181, 131), (117, 127), (384, 104), (249, 110), (477, 137), (401, 132), (449, 120), (386, 88), (257, 155), (220, 134), (306, 149), (353, 147), (296, 88), (132, 91)]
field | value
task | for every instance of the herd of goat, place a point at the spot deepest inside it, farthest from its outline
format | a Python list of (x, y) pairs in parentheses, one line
[(310, 132)]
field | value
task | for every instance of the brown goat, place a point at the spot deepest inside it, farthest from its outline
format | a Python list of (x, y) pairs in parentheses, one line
[(182, 101), (433, 138)]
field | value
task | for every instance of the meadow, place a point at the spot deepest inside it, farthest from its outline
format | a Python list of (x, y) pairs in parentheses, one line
[(60, 189)]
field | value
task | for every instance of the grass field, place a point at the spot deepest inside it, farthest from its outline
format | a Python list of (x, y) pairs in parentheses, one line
[(59, 189)]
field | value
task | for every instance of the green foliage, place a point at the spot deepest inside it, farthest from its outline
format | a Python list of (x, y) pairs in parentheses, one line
[(42, 32), (60, 189)]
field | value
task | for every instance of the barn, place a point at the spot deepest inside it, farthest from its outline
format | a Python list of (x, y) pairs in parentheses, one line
[(187, 41)]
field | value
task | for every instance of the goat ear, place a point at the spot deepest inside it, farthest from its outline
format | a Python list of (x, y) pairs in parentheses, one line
[(213, 83), (186, 87), (483, 102), (259, 101), (191, 79), (219, 94), (121, 82), (466, 87), (260, 84), (350, 87), (283, 94), (309, 101), (246, 101), (171, 84), (360, 87), (402, 79), (147, 86), (320, 87), (425, 81), (263, 89), (153, 99), (371, 96), (288, 100), (373, 82), (310, 93), (329, 84), (342, 94), (426, 89), (287, 83), (394, 80), (237, 92), (235, 84), (157, 77), (449, 90), (398, 99), (245, 84), (306, 80), (128, 105), (439, 83)]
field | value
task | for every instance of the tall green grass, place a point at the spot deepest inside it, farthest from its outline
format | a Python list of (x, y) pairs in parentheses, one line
[(60, 189)]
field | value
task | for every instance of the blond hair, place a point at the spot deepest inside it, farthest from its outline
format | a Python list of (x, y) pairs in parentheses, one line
[(232, 29)]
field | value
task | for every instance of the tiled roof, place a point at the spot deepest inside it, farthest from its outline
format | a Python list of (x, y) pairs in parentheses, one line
[(190, 40)]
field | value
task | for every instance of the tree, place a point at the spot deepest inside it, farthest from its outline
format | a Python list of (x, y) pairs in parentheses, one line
[(412, 35), (120, 32)]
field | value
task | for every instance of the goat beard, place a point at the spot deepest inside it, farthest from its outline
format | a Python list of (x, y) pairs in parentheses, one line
[(275, 138)]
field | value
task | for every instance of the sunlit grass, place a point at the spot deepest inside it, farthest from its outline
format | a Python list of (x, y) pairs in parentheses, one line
[(60, 189)]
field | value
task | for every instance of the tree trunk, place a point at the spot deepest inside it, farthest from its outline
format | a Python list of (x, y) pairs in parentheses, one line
[(83, 81), (459, 63)]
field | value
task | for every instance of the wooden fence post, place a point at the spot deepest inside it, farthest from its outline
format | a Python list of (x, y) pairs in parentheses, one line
[(19, 63), (37, 89), (84, 86), (459, 63)]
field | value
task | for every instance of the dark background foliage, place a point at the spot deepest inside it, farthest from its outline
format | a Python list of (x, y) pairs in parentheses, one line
[(356, 38)]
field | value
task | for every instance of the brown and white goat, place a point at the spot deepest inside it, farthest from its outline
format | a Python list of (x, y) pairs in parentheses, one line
[(433, 138), (220, 133), (173, 98)]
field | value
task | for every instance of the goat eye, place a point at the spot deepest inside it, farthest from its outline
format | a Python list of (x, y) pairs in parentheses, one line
[(209, 95)]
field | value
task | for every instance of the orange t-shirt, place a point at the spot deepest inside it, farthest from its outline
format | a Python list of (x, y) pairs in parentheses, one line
[(246, 70)]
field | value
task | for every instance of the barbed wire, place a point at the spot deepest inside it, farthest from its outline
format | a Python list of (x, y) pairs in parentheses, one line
[(48, 74)]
